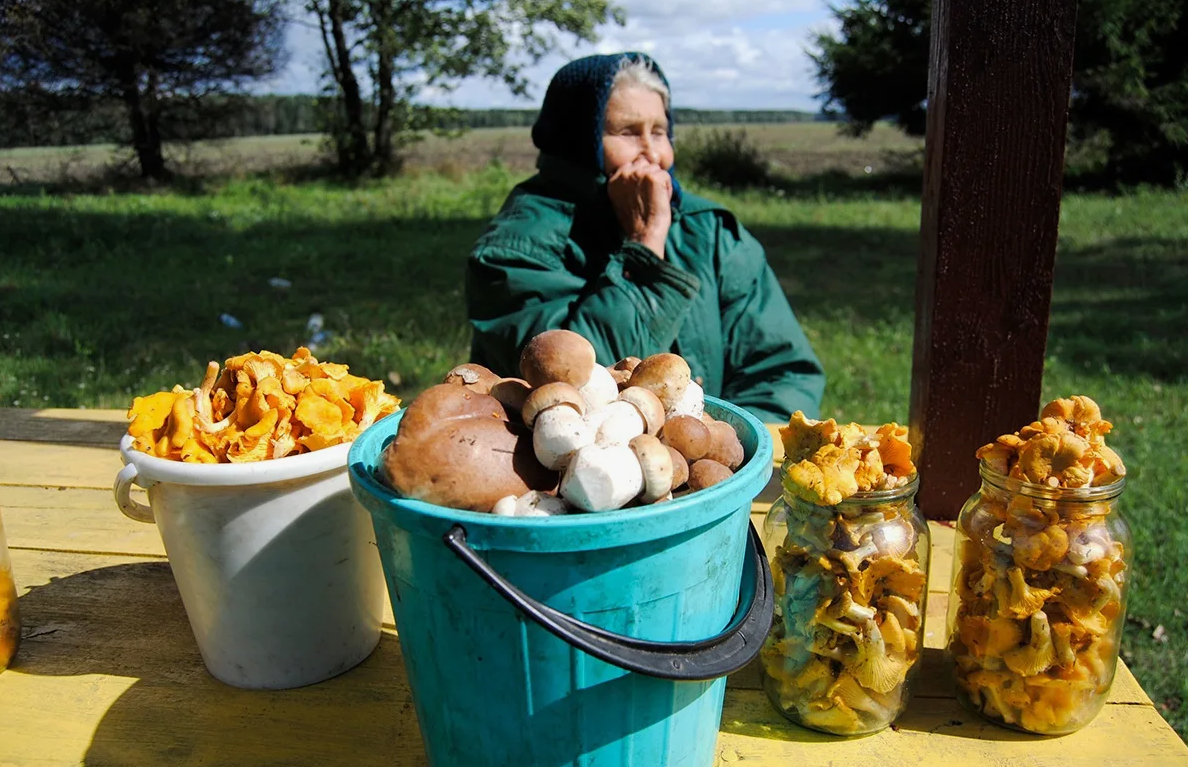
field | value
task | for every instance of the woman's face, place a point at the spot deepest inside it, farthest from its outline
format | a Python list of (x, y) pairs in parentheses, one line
[(635, 127)]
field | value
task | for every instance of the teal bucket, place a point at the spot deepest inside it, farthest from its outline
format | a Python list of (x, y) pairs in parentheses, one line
[(587, 639)]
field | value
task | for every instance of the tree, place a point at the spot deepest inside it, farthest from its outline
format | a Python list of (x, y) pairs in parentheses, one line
[(171, 64), (1130, 78), (405, 46)]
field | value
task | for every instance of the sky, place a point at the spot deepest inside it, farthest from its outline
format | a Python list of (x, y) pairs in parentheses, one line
[(717, 54)]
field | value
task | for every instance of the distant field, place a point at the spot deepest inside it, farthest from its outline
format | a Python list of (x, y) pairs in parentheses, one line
[(793, 148)]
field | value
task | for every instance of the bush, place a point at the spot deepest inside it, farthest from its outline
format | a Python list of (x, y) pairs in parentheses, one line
[(723, 157)]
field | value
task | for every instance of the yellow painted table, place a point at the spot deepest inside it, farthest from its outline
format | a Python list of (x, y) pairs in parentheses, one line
[(109, 674)]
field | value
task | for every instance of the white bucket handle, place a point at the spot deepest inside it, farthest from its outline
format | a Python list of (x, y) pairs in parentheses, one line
[(123, 496)]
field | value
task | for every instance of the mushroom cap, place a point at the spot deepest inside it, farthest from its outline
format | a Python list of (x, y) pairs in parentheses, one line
[(600, 390), (445, 402), (621, 377), (551, 395), (511, 392), (706, 473), (455, 448), (648, 404), (621, 371), (557, 355), (725, 447), (656, 464), (474, 377), (680, 468), (627, 364), (602, 477), (665, 375), (689, 436), (557, 434)]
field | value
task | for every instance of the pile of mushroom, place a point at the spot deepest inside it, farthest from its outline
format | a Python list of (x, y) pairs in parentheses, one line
[(569, 435), (1039, 593)]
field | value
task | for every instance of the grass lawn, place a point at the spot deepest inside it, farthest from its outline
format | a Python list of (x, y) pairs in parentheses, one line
[(103, 297)]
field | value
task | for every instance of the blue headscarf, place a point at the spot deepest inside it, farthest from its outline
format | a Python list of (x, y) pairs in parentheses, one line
[(570, 123)]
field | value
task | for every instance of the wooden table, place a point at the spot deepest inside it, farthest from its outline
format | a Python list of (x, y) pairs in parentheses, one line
[(109, 674)]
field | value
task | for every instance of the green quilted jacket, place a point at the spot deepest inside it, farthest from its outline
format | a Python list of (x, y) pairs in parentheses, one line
[(554, 257)]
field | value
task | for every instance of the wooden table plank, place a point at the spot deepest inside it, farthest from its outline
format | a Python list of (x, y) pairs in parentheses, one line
[(52, 465), (109, 673), (77, 520), (935, 733), (63, 425)]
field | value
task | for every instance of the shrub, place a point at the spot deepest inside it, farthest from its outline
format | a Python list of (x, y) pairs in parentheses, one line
[(723, 157)]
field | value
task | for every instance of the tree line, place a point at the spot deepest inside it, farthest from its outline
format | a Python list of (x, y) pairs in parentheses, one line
[(287, 115), (143, 72)]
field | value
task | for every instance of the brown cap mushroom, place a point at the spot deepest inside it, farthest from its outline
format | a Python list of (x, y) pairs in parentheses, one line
[(665, 375), (628, 364), (725, 447), (656, 464), (456, 448), (621, 371), (511, 392), (557, 355), (706, 473), (474, 377), (648, 404), (688, 436), (551, 395), (680, 468)]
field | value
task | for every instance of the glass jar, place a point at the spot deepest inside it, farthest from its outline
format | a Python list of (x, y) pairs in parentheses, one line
[(851, 582), (10, 616), (1038, 602)]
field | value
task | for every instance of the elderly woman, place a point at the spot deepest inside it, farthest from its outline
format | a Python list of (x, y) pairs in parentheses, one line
[(604, 242)]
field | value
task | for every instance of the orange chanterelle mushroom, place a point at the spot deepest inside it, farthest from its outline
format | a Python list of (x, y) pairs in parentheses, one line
[(259, 406), (1040, 584)]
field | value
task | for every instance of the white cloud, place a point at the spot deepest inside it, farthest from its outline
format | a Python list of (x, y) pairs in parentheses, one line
[(717, 54)]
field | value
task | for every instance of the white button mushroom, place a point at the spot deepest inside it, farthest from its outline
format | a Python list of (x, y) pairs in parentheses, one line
[(505, 506), (649, 407), (691, 403), (600, 390), (537, 504), (557, 433), (616, 424), (602, 477)]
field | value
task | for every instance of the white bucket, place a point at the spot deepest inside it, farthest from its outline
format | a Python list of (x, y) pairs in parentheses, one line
[(275, 560)]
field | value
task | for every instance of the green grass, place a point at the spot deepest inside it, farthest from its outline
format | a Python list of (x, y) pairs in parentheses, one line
[(103, 297)]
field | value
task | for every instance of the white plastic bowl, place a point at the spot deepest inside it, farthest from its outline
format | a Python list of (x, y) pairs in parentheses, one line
[(275, 560)]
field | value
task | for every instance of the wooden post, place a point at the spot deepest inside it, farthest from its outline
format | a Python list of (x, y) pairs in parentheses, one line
[(998, 91)]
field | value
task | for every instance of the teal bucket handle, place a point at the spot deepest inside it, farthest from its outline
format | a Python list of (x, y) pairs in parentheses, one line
[(733, 648)]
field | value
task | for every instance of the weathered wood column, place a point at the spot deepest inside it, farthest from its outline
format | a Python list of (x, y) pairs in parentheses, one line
[(999, 79)]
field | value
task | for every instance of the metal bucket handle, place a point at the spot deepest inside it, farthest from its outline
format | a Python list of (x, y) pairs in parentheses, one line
[(711, 658)]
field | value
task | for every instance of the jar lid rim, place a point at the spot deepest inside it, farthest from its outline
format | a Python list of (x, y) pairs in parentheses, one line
[(1036, 490)]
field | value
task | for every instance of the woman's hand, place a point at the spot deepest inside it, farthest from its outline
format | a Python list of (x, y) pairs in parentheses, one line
[(641, 195)]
